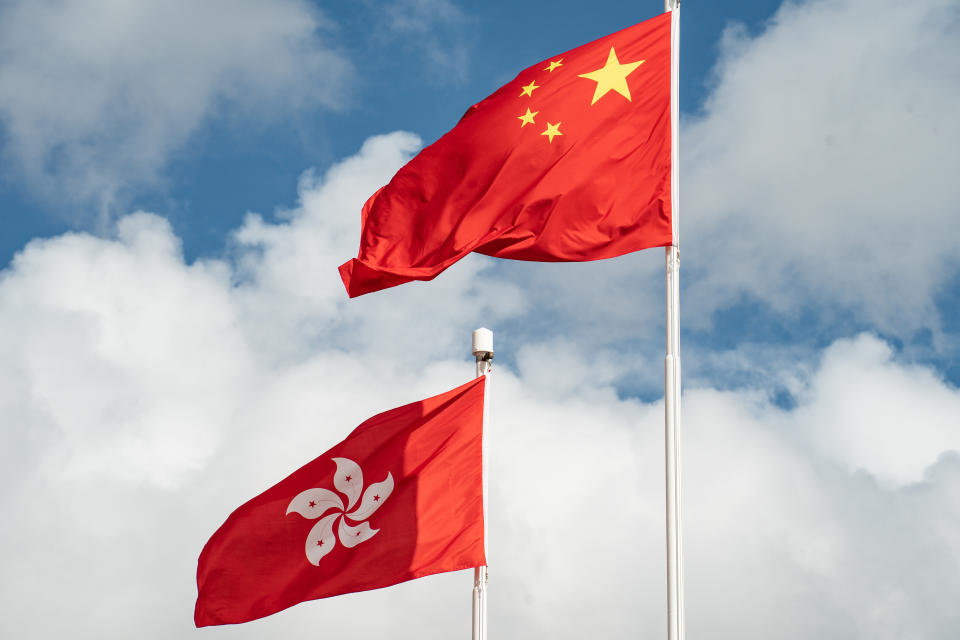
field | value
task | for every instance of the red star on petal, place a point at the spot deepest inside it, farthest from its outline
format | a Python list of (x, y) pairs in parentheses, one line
[(319, 543), (376, 498), (312, 503), (348, 478)]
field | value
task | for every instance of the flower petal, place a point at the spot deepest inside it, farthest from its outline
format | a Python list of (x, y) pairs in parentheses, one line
[(373, 497), (348, 479), (321, 540), (313, 503), (352, 536)]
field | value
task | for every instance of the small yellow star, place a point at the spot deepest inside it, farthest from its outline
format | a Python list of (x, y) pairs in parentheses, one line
[(552, 130), (554, 64), (527, 118), (528, 90), (612, 76)]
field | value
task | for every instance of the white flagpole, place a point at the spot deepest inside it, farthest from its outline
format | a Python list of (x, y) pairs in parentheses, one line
[(671, 400), (483, 352)]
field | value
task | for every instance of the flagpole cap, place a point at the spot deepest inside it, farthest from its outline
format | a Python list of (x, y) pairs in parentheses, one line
[(483, 343)]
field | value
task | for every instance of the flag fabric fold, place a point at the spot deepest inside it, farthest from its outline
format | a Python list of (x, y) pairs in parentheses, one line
[(570, 161), (400, 498)]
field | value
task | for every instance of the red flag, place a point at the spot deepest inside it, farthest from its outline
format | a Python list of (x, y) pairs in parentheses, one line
[(570, 161), (400, 498)]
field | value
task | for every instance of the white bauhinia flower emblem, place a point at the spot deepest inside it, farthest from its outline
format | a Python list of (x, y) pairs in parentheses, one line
[(313, 503)]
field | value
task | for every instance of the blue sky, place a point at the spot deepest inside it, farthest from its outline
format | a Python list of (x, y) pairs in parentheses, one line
[(233, 166), (179, 183)]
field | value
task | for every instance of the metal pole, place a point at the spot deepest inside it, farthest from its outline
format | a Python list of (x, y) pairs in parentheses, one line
[(483, 352), (672, 446), (672, 386)]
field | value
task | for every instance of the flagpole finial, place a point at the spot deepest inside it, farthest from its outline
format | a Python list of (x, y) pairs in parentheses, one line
[(483, 344)]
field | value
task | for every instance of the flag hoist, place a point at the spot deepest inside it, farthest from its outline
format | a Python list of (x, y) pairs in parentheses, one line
[(483, 352), (672, 382)]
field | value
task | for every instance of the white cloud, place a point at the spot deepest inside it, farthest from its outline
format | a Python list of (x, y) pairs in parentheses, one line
[(144, 398), (95, 96), (869, 412), (823, 168), (121, 349), (783, 542)]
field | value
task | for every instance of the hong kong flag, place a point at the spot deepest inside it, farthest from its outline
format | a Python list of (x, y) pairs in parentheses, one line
[(570, 161), (400, 498)]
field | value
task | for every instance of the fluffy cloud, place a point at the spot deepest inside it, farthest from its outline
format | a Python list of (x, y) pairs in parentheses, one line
[(144, 397), (823, 166), (95, 96), (868, 412)]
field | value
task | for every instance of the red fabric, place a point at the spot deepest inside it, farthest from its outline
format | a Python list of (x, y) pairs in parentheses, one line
[(500, 187), (431, 521)]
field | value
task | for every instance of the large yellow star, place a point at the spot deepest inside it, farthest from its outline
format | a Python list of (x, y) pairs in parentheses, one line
[(527, 118), (528, 90), (612, 76), (552, 130)]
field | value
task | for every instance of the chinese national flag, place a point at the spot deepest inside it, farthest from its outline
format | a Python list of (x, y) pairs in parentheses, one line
[(400, 498), (570, 161)]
